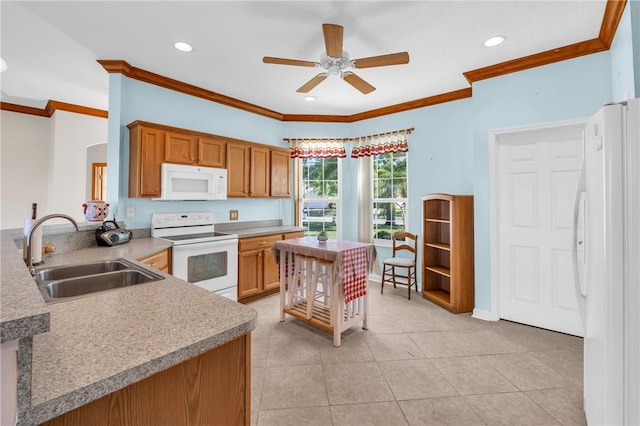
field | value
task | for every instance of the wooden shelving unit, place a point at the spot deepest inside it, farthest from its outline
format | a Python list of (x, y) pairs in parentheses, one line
[(447, 255)]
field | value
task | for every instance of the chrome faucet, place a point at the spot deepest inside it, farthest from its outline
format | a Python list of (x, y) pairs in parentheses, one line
[(29, 258)]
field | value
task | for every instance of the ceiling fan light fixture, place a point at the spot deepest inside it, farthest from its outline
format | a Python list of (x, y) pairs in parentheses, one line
[(310, 98), (335, 66), (494, 41), (183, 47), (3, 65)]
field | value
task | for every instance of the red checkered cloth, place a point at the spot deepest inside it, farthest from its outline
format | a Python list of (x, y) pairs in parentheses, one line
[(354, 273)]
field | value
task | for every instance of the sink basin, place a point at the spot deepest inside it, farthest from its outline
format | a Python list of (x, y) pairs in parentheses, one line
[(78, 286), (68, 282), (62, 272)]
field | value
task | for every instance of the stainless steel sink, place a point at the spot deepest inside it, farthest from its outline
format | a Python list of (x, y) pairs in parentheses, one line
[(69, 282), (62, 272)]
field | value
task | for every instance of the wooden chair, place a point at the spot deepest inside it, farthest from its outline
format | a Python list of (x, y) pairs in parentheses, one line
[(402, 242)]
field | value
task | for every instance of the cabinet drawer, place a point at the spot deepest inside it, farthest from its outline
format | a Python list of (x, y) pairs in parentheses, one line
[(159, 260), (263, 242), (292, 235)]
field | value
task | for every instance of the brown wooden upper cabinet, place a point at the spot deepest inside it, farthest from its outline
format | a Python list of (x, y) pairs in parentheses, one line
[(180, 148), (257, 171), (280, 173), (260, 172), (253, 170), (237, 169), (146, 154), (212, 153)]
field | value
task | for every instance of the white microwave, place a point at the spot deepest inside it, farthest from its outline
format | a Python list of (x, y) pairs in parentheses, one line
[(192, 183)]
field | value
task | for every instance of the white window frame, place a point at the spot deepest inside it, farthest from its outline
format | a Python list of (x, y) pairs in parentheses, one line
[(384, 242), (301, 199)]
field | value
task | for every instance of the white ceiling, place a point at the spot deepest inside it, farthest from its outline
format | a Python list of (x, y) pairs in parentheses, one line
[(51, 47)]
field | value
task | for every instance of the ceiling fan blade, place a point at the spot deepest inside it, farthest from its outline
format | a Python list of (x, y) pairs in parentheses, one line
[(283, 61), (382, 60), (333, 39), (306, 88), (357, 82)]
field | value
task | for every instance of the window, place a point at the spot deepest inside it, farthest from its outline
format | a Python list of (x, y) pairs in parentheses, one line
[(389, 194), (320, 195)]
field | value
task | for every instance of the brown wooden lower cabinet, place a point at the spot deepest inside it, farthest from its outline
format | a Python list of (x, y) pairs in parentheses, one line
[(160, 261), (213, 388), (257, 268)]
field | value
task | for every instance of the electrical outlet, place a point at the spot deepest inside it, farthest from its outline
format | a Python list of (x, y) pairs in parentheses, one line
[(233, 214), (131, 212)]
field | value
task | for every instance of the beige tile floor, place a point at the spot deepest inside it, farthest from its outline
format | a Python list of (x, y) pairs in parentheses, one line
[(417, 364)]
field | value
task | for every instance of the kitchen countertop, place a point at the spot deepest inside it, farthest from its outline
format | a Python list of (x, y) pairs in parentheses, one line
[(103, 342), (261, 230)]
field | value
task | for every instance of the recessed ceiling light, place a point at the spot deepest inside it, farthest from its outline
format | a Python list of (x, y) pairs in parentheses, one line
[(184, 47), (494, 41), (309, 98), (3, 65)]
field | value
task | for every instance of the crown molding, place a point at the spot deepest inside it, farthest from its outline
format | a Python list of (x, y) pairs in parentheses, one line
[(6, 106), (612, 15), (122, 67), (415, 104), (53, 106), (379, 112), (536, 60)]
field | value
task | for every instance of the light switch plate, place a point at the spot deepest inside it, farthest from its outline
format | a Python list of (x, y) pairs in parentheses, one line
[(233, 214)]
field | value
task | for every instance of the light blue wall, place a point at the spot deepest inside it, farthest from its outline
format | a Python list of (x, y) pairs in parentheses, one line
[(134, 100), (448, 149), (440, 154), (565, 90), (634, 7), (622, 59)]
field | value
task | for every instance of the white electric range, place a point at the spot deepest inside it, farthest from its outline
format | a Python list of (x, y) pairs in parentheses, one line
[(201, 255)]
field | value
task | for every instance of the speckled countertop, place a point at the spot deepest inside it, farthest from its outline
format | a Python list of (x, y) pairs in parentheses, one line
[(106, 341), (257, 229)]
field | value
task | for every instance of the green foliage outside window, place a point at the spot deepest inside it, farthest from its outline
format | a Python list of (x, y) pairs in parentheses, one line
[(389, 194), (320, 195)]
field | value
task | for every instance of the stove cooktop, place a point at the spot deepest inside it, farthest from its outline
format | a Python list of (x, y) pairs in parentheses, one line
[(187, 228), (211, 236)]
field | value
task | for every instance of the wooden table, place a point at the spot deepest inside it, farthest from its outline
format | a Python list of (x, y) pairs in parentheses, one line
[(350, 264)]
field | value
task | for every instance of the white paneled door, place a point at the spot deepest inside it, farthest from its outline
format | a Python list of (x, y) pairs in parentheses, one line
[(537, 175)]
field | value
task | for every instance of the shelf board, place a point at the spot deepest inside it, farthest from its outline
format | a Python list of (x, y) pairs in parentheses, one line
[(439, 270), (442, 246), (433, 219), (441, 297)]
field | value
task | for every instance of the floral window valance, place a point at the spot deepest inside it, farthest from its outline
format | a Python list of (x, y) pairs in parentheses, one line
[(385, 143), (317, 148), (363, 146)]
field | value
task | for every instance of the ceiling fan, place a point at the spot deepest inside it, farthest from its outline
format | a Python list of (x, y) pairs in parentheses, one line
[(335, 61)]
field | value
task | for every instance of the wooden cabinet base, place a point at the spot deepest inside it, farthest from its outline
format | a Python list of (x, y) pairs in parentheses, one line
[(260, 295), (213, 388)]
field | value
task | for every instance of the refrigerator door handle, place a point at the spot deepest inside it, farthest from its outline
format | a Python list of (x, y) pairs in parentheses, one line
[(579, 243)]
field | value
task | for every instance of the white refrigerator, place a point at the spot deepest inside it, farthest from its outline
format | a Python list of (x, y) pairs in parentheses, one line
[(607, 262)]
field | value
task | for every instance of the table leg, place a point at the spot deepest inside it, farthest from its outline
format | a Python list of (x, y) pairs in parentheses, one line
[(283, 281), (365, 313), (336, 312)]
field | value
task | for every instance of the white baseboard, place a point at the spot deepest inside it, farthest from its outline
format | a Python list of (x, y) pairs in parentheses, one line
[(484, 315)]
